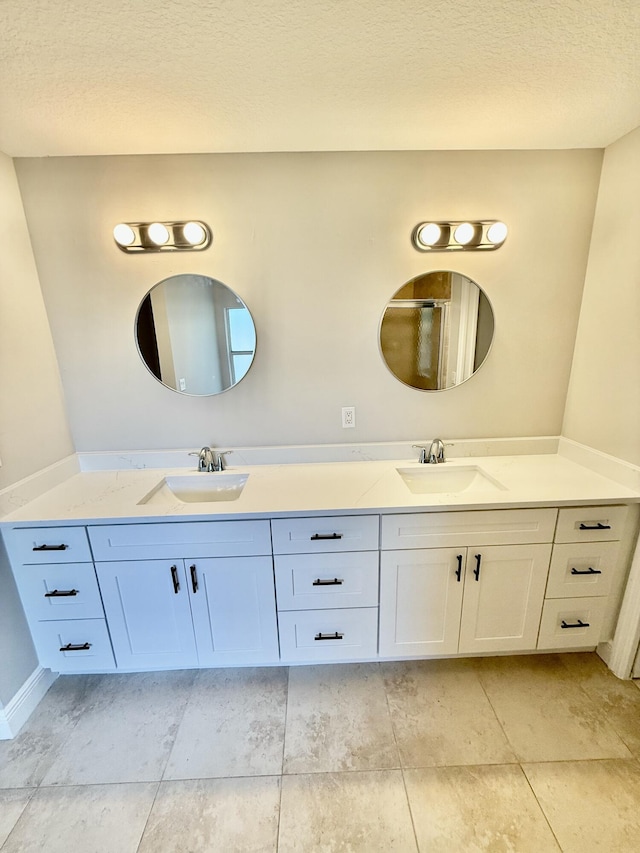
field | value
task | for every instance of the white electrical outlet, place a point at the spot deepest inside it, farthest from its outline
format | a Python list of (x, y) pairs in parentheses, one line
[(348, 417), (183, 384)]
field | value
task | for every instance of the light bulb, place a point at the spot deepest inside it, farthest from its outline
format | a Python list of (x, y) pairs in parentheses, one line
[(194, 233), (497, 233), (124, 235), (158, 233), (464, 233), (429, 234)]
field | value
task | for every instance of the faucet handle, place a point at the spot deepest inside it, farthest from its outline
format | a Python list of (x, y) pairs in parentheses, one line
[(220, 462), (423, 452)]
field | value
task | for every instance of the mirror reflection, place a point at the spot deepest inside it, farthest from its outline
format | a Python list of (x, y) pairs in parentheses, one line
[(436, 331), (195, 335)]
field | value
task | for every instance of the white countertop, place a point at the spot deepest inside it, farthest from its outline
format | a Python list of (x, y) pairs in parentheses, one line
[(327, 487)]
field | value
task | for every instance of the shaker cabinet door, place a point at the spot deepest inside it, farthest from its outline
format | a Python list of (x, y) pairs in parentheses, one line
[(147, 607), (503, 597), (234, 610)]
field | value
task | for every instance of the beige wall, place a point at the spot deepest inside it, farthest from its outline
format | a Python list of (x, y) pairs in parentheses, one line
[(603, 403), (33, 426), (315, 244)]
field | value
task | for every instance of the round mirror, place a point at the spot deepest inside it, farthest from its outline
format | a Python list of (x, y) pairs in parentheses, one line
[(436, 331), (195, 335)]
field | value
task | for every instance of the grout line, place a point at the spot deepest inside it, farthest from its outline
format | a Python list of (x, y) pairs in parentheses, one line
[(179, 724), (478, 672), (284, 740), (146, 823), (542, 811)]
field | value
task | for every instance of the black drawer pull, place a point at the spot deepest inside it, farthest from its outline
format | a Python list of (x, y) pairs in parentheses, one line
[(335, 636), (61, 593), (317, 536), (328, 582), (70, 647), (174, 578), (50, 547), (578, 624), (194, 578), (598, 526), (459, 569), (476, 571), (588, 571)]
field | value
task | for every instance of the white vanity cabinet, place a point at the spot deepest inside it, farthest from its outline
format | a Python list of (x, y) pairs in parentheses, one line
[(326, 572), (56, 580), (203, 597), (473, 597), (584, 570)]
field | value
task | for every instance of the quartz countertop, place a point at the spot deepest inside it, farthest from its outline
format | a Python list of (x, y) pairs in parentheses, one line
[(326, 487)]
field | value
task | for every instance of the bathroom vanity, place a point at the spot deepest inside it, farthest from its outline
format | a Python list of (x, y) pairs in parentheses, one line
[(321, 562)]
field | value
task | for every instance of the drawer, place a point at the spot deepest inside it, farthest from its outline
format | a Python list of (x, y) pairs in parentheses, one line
[(173, 540), (560, 626), (591, 523), (52, 640), (328, 635), (582, 569), (31, 545), (325, 534), (318, 581), (475, 527), (68, 591)]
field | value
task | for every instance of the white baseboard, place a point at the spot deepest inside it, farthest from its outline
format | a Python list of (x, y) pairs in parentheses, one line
[(18, 710)]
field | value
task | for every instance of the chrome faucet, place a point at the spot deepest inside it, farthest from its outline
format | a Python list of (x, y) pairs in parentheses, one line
[(211, 460), (434, 455)]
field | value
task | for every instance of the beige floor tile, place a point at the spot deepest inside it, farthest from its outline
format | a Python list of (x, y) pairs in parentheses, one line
[(348, 812), (471, 809), (233, 725), (441, 715), (127, 734), (90, 819), (25, 760), (338, 719), (12, 804), (545, 713), (591, 805), (618, 700), (231, 815)]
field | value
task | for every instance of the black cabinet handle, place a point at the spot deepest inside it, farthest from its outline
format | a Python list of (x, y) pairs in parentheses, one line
[(50, 547), (61, 593), (459, 569), (588, 571), (70, 647), (476, 571), (328, 582), (194, 578), (317, 536), (598, 526), (578, 624), (174, 578), (335, 636)]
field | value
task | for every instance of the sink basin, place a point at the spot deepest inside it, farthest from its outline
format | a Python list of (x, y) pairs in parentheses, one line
[(197, 488), (434, 479)]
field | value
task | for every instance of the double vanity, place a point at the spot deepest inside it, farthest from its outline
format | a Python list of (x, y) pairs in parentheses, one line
[(142, 568)]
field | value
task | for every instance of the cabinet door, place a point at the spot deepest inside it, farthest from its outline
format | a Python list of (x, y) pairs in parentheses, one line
[(147, 607), (420, 601), (503, 596), (234, 610)]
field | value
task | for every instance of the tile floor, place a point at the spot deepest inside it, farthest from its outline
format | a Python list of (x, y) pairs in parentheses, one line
[(515, 754)]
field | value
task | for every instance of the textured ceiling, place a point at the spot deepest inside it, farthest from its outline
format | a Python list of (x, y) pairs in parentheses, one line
[(125, 76)]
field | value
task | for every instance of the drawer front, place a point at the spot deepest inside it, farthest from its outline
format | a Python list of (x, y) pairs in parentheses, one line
[(560, 626), (33, 545), (582, 569), (325, 534), (310, 635), (318, 581), (591, 523), (476, 527), (53, 639), (68, 591), (180, 539)]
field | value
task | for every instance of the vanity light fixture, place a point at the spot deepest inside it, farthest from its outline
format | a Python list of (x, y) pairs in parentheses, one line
[(183, 236), (472, 235)]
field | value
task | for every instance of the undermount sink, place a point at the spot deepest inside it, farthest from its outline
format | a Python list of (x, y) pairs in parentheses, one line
[(433, 479), (197, 488)]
